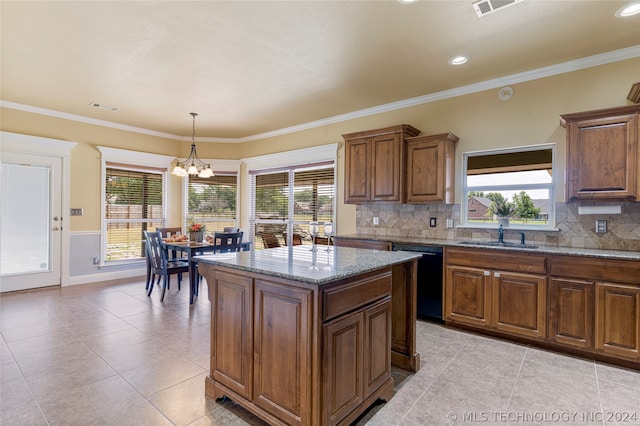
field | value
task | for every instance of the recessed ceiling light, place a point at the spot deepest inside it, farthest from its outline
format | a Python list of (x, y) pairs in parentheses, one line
[(406, 1), (459, 60), (629, 10)]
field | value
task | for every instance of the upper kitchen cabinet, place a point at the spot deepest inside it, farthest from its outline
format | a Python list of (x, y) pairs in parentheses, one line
[(430, 168), (603, 154), (374, 164)]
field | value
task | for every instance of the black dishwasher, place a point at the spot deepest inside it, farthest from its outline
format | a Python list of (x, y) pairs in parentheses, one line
[(429, 280)]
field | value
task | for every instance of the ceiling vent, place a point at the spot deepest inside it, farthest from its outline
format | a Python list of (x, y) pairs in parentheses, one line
[(484, 7)]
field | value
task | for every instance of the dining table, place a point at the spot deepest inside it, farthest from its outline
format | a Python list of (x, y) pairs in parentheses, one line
[(192, 248)]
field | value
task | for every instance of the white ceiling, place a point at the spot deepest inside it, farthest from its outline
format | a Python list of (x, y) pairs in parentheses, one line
[(250, 67)]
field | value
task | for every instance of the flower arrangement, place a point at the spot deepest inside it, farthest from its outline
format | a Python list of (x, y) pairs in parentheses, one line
[(194, 226)]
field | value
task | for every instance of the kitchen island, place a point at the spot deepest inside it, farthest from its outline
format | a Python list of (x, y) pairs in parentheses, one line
[(308, 337)]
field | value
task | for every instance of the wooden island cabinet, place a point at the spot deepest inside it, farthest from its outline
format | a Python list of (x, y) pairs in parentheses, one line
[(301, 337)]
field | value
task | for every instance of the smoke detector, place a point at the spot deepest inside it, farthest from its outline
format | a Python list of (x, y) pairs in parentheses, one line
[(103, 106), (485, 7)]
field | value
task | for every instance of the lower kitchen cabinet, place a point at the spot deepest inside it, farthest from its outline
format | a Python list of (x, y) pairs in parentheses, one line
[(618, 320), (355, 369), (510, 302), (467, 295), (571, 312), (519, 304)]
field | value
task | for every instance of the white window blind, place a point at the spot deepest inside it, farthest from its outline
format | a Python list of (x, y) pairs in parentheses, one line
[(212, 201), (134, 202), (285, 200)]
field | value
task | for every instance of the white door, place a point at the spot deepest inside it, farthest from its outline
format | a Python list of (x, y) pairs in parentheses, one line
[(30, 221)]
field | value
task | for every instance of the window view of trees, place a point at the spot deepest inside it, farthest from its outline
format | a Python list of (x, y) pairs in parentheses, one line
[(514, 184), (134, 203), (212, 201), (308, 194)]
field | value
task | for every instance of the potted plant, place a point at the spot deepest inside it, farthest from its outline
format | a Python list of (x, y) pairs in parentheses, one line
[(196, 230), (502, 209)]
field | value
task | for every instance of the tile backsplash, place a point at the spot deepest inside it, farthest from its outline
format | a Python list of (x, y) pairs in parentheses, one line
[(574, 230)]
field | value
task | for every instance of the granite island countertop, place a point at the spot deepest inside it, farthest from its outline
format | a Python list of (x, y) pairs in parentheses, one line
[(572, 251), (299, 263)]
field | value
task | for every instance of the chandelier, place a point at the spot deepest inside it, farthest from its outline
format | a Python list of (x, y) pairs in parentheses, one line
[(193, 165)]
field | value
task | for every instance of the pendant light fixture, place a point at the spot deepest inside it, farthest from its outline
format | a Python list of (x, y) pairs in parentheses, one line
[(193, 165)]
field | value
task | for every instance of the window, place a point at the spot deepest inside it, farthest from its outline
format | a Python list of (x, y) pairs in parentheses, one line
[(213, 200), (284, 201), (514, 184), (134, 202)]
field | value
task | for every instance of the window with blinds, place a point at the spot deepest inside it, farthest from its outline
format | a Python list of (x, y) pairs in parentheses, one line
[(212, 201), (515, 184), (134, 202), (284, 201)]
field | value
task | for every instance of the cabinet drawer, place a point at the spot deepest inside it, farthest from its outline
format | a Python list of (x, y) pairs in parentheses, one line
[(502, 260), (596, 269), (341, 299), (366, 244)]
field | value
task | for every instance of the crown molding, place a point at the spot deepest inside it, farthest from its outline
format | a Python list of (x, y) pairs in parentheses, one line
[(562, 68)]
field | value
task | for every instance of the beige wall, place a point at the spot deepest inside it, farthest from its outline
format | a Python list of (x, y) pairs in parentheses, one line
[(480, 120)]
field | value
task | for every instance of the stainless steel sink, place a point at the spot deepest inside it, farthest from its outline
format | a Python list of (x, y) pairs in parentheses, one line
[(497, 244)]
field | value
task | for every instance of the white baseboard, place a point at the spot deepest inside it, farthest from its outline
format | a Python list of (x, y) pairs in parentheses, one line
[(107, 276)]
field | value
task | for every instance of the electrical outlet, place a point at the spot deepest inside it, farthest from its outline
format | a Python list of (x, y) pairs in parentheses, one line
[(601, 226), (376, 221), (433, 222), (449, 223), (77, 212)]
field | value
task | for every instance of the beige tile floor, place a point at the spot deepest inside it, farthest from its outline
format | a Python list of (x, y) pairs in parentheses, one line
[(106, 354)]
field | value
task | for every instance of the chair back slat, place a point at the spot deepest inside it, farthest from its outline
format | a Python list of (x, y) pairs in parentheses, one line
[(224, 242), (155, 251), (167, 232), (270, 240)]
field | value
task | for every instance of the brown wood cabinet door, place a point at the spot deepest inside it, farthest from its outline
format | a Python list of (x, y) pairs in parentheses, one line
[(343, 377), (519, 304), (602, 158), (357, 166), (377, 346), (282, 343), (231, 331), (386, 169), (571, 312), (618, 320), (468, 295), (430, 168)]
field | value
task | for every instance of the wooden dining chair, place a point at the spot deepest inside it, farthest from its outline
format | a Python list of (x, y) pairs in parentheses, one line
[(270, 240), (161, 265), (224, 242), (296, 239)]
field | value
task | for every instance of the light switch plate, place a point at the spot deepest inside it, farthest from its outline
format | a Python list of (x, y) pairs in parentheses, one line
[(433, 222), (77, 212), (601, 226)]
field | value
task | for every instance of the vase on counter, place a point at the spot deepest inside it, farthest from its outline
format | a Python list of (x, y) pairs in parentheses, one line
[(197, 237)]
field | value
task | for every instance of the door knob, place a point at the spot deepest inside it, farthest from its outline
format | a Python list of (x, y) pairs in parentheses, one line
[(56, 218), (55, 228)]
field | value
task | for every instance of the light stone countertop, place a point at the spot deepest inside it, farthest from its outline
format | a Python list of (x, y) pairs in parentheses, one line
[(299, 263), (573, 251)]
